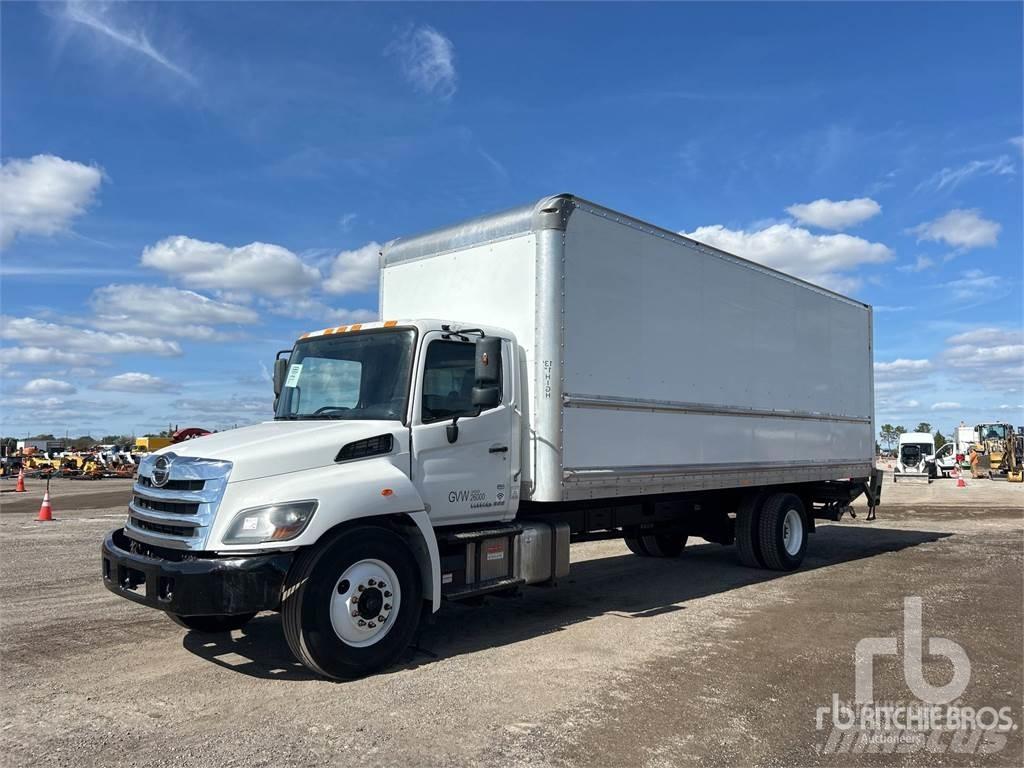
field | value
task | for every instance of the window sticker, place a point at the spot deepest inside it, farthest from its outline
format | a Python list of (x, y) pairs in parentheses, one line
[(294, 371)]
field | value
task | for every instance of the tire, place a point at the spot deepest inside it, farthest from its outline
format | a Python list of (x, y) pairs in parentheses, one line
[(663, 544), (636, 546), (748, 544), (327, 629), (783, 532), (212, 623)]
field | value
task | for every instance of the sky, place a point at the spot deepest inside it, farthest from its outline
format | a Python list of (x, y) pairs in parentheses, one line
[(187, 187)]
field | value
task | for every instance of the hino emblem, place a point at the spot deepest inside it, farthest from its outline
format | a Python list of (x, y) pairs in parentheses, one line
[(161, 471)]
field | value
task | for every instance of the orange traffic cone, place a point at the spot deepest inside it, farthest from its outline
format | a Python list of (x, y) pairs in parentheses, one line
[(960, 478), (45, 511), (21, 481)]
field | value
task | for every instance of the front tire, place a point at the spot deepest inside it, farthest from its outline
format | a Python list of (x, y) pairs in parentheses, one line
[(212, 624), (783, 532), (351, 605)]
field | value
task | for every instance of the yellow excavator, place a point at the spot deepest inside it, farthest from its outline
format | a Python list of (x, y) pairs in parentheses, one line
[(997, 452)]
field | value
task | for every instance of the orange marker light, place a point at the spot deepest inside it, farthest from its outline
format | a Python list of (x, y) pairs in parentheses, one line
[(387, 492), (390, 323)]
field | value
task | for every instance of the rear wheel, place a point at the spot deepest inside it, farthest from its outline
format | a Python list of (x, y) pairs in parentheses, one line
[(748, 517), (352, 604), (783, 532), (636, 546), (212, 623), (663, 544)]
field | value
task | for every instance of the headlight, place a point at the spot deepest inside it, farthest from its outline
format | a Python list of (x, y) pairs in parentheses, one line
[(276, 522)]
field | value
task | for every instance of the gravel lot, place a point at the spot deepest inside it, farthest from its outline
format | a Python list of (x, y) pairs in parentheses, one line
[(629, 662)]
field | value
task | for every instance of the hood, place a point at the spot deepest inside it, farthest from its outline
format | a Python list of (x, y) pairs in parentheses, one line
[(277, 447)]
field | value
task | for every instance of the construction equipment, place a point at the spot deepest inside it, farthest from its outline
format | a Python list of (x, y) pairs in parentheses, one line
[(1016, 473), (996, 453)]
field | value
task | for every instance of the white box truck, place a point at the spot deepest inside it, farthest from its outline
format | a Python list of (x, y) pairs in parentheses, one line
[(553, 373)]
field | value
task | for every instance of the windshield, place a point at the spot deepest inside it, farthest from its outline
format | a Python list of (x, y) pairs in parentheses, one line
[(992, 431), (350, 376)]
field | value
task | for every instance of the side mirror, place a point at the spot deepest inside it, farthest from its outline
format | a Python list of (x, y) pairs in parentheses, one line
[(280, 371), (487, 389)]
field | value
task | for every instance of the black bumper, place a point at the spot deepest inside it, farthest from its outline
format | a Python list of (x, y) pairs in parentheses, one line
[(198, 587)]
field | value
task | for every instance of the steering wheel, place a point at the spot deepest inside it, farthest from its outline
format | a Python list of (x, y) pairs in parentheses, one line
[(326, 408)]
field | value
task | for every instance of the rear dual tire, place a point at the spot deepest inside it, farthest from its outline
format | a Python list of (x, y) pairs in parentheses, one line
[(656, 545), (771, 532)]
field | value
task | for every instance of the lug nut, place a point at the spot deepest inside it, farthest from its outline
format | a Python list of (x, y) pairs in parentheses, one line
[(362, 623), (381, 584), (371, 625), (380, 619), (372, 583), (387, 606), (360, 588), (387, 594), (355, 614)]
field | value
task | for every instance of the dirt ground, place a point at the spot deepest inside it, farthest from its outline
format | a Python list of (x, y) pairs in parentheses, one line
[(630, 661)]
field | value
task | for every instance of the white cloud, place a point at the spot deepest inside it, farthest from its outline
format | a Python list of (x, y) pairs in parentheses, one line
[(41, 195), (821, 259), (960, 229), (837, 214), (355, 271), (975, 284), (257, 267), (899, 376), (427, 59), (98, 17), (346, 220), (951, 178), (920, 265), (32, 355), (48, 387), (313, 309), (29, 330), (134, 381), (167, 311), (1018, 142), (903, 367), (990, 357), (946, 405)]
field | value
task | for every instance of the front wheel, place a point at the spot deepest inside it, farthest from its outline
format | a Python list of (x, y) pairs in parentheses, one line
[(352, 604), (212, 623)]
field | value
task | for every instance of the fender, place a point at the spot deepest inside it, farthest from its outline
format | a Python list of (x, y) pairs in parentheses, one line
[(366, 488)]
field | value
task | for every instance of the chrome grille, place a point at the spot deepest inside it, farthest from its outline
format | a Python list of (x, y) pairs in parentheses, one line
[(174, 485), (179, 513), (174, 507)]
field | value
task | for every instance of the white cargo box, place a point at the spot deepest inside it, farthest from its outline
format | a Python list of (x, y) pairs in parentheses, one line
[(656, 363)]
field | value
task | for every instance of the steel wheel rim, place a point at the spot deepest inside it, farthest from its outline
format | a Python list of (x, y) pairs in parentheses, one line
[(792, 532), (365, 603)]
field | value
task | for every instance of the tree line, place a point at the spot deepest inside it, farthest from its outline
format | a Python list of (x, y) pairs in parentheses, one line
[(890, 435)]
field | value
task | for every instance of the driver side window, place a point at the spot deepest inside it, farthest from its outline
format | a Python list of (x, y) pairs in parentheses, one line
[(448, 377)]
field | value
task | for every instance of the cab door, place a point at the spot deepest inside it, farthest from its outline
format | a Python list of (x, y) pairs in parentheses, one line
[(463, 472)]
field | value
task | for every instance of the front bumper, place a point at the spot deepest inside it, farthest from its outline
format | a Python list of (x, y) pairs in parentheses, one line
[(194, 587)]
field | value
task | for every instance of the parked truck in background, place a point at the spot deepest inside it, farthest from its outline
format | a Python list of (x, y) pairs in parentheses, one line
[(553, 373), (915, 456)]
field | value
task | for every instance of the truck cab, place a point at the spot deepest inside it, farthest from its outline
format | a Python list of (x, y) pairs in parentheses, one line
[(411, 425)]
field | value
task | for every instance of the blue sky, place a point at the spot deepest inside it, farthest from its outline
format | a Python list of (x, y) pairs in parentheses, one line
[(231, 168)]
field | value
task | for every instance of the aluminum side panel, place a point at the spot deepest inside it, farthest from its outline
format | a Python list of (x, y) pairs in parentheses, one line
[(651, 318)]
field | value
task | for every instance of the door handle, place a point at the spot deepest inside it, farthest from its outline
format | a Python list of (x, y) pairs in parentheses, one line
[(498, 449)]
